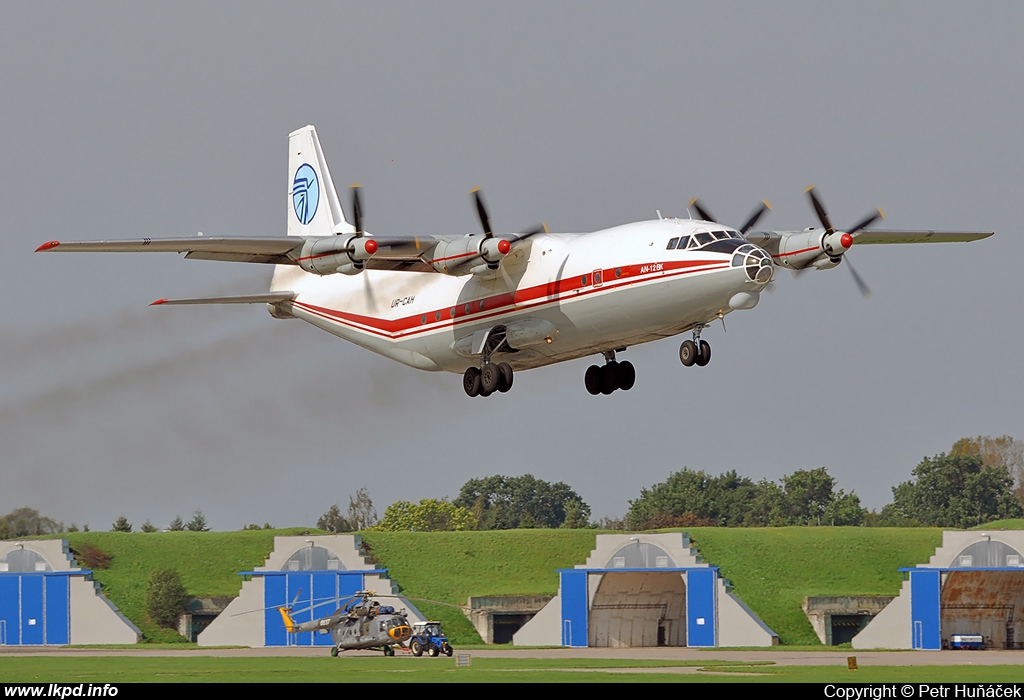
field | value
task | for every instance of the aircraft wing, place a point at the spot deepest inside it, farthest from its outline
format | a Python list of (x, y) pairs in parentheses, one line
[(258, 250), (875, 235)]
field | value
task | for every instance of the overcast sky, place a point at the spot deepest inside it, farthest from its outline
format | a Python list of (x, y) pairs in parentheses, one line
[(164, 119)]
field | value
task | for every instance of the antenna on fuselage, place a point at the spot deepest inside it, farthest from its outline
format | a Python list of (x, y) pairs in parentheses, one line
[(658, 212)]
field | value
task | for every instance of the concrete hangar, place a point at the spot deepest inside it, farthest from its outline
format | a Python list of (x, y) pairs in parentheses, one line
[(644, 590), (972, 587)]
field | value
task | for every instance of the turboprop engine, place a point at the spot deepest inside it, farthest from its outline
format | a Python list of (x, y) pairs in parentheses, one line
[(473, 254), (328, 255)]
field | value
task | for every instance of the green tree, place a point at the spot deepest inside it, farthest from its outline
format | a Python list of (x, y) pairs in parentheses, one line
[(197, 523), (510, 502), (429, 515), (149, 527), (166, 597), (26, 522), (954, 491), (1001, 451), (808, 495), (121, 525), (176, 525), (361, 513), (331, 521)]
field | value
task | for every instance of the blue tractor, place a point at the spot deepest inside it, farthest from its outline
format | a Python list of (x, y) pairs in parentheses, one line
[(429, 637)]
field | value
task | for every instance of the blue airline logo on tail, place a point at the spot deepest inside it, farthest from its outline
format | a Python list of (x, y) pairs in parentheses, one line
[(305, 193)]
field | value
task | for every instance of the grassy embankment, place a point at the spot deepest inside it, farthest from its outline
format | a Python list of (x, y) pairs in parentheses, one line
[(771, 569)]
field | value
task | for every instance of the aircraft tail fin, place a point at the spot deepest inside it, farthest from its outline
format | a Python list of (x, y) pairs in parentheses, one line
[(289, 623), (313, 205)]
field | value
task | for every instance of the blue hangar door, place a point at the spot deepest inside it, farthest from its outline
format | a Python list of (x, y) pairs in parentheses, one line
[(319, 594), (34, 609)]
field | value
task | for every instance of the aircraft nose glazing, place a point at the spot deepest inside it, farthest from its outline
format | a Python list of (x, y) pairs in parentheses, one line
[(757, 263), (400, 634)]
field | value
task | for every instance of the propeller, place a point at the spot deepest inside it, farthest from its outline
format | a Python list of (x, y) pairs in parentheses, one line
[(845, 239), (357, 210), (504, 245), (481, 210), (751, 221)]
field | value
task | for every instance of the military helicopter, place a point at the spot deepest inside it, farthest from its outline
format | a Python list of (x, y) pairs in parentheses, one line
[(359, 623)]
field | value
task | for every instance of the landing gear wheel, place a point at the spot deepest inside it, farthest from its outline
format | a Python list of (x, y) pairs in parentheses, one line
[(506, 377), (432, 650), (626, 374), (688, 353), (388, 651), (609, 378), (490, 377), (471, 382), (416, 647), (447, 649), (592, 379), (334, 651), (704, 356)]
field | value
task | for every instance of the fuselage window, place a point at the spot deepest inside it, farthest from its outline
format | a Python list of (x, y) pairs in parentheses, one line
[(423, 318), (481, 304), (469, 308), (597, 278), (437, 316), (618, 272), (452, 312), (672, 244)]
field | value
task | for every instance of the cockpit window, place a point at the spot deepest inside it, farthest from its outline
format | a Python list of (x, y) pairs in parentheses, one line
[(684, 241), (719, 235), (672, 244), (704, 238)]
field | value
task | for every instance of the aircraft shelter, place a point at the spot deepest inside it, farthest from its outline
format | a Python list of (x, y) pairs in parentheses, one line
[(313, 574), (47, 599), (644, 590), (973, 585)]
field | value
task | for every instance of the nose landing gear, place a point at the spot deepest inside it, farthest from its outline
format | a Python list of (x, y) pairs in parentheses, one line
[(605, 379)]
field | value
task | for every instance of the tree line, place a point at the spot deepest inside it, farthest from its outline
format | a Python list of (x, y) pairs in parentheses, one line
[(979, 480)]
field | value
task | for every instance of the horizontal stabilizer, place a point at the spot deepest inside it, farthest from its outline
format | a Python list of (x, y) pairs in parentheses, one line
[(265, 298)]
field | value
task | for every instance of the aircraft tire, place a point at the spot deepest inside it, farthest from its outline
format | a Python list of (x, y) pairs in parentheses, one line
[(490, 377), (626, 375), (592, 379), (416, 647), (609, 378), (334, 651), (688, 353), (432, 650), (388, 651), (471, 382), (506, 377), (704, 356)]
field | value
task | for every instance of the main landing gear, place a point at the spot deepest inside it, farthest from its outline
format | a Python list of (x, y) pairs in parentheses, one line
[(696, 351), (488, 379), (605, 379)]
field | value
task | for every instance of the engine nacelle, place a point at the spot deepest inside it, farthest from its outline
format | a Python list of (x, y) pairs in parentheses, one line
[(528, 332), (329, 255), (470, 255), (813, 248)]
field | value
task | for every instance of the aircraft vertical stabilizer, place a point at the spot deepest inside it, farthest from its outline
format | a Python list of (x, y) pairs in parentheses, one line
[(313, 205)]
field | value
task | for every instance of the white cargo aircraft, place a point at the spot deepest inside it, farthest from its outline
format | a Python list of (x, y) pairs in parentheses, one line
[(485, 304)]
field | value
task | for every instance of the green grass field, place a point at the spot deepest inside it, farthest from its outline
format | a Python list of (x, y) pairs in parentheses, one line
[(771, 569), (481, 670)]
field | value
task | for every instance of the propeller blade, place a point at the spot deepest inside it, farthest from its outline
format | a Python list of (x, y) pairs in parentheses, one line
[(861, 285), (704, 213), (755, 217), (357, 210), (481, 211), (822, 214), (867, 222), (543, 228)]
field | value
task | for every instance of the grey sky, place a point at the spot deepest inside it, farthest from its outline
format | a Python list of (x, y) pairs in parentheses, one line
[(128, 120)]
